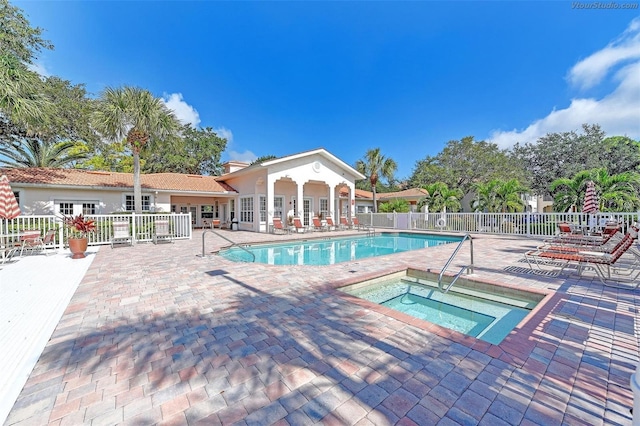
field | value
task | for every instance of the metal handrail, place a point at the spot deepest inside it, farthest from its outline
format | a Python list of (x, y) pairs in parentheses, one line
[(233, 243), (453, 255)]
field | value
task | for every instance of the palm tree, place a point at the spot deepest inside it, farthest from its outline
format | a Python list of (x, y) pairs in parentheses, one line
[(508, 196), (21, 97), (374, 165), (441, 197), (139, 116), (618, 192), (31, 152), (485, 196), (569, 193)]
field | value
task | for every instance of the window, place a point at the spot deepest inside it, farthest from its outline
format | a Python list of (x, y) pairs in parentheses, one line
[(129, 203), (206, 212), (88, 208), (232, 209), (17, 195), (323, 211), (66, 208), (263, 208), (246, 209), (278, 206), (361, 209)]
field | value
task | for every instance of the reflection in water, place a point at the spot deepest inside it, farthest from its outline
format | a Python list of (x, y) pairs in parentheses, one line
[(328, 252)]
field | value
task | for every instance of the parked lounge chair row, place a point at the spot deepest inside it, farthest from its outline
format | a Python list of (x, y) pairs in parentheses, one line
[(615, 260), (316, 225)]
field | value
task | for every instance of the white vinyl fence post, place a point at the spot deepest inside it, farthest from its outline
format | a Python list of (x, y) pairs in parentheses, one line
[(133, 227)]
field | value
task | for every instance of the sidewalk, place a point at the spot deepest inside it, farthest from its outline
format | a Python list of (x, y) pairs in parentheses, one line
[(34, 292)]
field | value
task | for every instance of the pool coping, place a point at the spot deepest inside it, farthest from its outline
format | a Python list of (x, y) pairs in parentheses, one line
[(516, 346)]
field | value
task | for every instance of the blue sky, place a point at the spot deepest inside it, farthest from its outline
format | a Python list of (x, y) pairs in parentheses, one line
[(277, 78)]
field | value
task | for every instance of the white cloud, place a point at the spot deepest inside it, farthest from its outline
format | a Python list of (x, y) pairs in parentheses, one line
[(590, 71), (245, 157), (183, 111), (39, 68), (617, 112), (224, 133), (232, 153)]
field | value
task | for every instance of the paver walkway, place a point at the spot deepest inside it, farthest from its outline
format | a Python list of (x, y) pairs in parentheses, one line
[(160, 335)]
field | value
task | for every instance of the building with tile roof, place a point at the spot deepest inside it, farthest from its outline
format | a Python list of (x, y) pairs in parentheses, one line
[(306, 184)]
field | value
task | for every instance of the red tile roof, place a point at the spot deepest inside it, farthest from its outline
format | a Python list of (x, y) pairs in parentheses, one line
[(368, 195), (87, 178)]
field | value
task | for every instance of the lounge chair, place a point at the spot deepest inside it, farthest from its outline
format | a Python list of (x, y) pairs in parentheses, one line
[(344, 224), (608, 234), (624, 269), (161, 231), (121, 234), (330, 225), (39, 243), (278, 228), (299, 227), (215, 223), (318, 226)]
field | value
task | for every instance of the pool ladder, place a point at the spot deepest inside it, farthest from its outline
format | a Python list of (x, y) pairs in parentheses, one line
[(469, 267), (233, 243)]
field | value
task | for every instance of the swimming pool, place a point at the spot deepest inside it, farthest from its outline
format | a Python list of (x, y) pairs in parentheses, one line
[(485, 311), (328, 251)]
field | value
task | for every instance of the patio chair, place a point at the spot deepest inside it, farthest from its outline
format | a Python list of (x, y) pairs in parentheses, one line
[(299, 227), (330, 225), (39, 243), (355, 224), (278, 227), (318, 226), (603, 264), (215, 223), (161, 231), (121, 234), (344, 224)]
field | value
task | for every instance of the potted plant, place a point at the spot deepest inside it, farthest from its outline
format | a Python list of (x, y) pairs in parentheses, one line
[(79, 227)]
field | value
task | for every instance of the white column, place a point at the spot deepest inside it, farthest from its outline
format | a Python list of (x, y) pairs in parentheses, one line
[(331, 206), (270, 196), (300, 187)]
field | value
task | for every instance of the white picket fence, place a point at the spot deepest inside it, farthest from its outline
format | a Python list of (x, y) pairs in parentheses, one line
[(141, 226), (524, 224)]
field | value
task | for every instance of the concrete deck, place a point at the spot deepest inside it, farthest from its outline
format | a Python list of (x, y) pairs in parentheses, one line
[(161, 335)]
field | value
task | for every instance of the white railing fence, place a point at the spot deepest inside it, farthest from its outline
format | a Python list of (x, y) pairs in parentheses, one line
[(141, 226), (525, 224)]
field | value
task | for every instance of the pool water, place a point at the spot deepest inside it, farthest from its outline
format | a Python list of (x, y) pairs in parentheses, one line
[(328, 251), (485, 315)]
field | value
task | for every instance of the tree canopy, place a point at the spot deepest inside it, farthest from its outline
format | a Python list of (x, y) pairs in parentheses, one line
[(463, 163), (192, 151)]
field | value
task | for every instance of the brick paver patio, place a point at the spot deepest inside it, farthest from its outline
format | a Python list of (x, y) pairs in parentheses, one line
[(161, 335)]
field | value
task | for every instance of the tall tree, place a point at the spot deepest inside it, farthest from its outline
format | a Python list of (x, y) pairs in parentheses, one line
[(463, 163), (375, 165), (139, 116), (193, 151), (560, 155), (20, 96), (620, 154)]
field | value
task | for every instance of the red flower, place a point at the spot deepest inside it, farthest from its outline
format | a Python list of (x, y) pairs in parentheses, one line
[(79, 225)]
